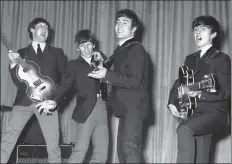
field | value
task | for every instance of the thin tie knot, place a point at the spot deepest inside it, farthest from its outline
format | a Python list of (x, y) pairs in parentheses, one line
[(39, 51), (38, 46)]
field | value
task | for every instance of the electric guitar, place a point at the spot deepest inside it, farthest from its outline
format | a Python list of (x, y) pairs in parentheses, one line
[(39, 87), (187, 104)]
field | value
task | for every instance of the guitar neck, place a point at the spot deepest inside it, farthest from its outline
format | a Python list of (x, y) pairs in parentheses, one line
[(10, 47), (195, 86), (204, 84), (22, 63), (7, 43)]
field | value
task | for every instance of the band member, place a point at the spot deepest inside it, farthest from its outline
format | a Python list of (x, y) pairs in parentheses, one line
[(209, 118), (40, 73), (129, 80), (90, 111)]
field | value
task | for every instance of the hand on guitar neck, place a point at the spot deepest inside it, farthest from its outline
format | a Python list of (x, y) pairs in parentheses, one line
[(189, 92), (184, 90), (13, 56), (193, 90)]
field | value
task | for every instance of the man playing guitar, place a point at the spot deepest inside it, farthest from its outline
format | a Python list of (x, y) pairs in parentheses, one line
[(36, 70), (209, 118)]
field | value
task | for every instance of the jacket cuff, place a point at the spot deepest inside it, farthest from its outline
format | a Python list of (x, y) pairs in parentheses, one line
[(108, 77)]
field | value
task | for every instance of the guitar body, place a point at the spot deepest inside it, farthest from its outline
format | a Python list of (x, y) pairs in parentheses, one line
[(39, 88), (186, 75), (188, 104)]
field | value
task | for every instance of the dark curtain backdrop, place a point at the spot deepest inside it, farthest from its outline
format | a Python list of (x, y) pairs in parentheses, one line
[(167, 38)]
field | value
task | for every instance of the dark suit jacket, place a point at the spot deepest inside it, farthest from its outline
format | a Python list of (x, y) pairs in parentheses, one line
[(129, 79), (220, 66), (52, 65), (86, 88)]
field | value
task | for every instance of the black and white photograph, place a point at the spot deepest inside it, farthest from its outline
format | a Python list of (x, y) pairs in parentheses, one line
[(99, 81)]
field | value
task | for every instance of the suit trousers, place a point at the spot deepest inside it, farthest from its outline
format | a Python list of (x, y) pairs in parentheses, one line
[(95, 128), (17, 121), (129, 137), (194, 135)]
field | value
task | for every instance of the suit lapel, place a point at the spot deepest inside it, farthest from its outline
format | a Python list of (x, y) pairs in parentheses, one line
[(31, 49), (29, 53), (197, 58), (125, 44), (108, 63), (46, 49), (207, 57)]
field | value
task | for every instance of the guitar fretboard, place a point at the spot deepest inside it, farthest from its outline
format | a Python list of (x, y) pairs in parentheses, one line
[(7, 43), (194, 87), (9, 46), (205, 84)]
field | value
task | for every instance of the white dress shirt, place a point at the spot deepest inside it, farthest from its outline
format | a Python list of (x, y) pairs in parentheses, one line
[(35, 46), (203, 50)]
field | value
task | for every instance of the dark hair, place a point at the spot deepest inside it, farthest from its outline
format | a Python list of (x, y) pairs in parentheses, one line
[(129, 14), (33, 23), (206, 20), (211, 23), (83, 36), (135, 21)]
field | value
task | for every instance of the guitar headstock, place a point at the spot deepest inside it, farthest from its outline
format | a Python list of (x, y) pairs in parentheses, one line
[(6, 42)]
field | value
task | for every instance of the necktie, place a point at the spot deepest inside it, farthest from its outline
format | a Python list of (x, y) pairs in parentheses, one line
[(39, 51)]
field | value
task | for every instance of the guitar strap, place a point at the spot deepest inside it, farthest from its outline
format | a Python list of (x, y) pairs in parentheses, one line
[(108, 63), (211, 55), (207, 58)]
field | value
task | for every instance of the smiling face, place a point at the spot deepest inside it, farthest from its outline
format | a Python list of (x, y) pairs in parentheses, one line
[(86, 49), (124, 29), (40, 32), (203, 36)]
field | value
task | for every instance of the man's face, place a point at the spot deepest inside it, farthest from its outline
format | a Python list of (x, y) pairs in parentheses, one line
[(123, 28), (203, 36), (40, 32), (86, 49)]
